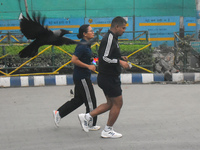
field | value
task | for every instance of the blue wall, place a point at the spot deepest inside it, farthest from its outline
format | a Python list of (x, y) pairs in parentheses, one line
[(161, 29)]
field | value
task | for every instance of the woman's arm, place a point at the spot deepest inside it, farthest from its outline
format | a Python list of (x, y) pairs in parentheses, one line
[(79, 63)]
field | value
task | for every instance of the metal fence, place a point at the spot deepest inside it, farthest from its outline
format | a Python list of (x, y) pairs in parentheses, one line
[(186, 54), (9, 66)]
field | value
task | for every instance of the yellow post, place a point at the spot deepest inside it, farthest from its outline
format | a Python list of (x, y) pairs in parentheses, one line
[(47, 73), (3, 38), (139, 50), (70, 60), (4, 73), (4, 56), (15, 38), (141, 67), (63, 66), (63, 51), (30, 59), (136, 52), (95, 45)]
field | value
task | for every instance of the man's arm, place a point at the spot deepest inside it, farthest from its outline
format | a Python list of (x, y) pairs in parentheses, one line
[(107, 45)]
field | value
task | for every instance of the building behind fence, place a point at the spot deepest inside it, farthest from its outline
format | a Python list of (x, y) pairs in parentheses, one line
[(161, 18)]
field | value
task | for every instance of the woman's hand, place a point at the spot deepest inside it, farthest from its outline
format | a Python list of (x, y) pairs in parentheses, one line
[(91, 67), (79, 63)]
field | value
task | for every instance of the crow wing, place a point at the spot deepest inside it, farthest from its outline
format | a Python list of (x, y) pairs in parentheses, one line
[(33, 28), (67, 41)]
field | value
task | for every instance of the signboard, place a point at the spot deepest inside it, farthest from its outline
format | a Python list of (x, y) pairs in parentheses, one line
[(12, 26), (161, 29), (195, 45), (189, 25), (71, 24), (104, 24)]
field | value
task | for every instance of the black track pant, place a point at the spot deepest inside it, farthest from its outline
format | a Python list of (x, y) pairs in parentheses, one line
[(84, 93)]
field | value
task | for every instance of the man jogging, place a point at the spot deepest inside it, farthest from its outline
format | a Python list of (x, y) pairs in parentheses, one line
[(110, 62)]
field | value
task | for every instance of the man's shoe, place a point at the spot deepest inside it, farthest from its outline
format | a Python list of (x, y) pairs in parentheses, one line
[(94, 128), (110, 134), (83, 122), (56, 117)]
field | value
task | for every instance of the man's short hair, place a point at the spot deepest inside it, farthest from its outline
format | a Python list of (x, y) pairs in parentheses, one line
[(118, 21)]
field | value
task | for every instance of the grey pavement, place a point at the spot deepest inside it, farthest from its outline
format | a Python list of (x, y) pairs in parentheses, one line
[(153, 117)]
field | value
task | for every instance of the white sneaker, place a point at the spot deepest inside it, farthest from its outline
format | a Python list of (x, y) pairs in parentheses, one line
[(83, 122), (56, 117), (110, 134), (94, 128)]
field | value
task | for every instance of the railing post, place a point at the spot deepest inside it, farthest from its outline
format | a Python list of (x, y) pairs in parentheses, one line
[(4, 53), (147, 38), (185, 60), (175, 49), (53, 58), (8, 38), (97, 40)]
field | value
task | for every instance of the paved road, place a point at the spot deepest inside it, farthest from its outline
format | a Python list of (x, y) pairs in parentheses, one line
[(154, 117)]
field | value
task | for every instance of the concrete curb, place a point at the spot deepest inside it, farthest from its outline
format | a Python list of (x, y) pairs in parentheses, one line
[(136, 78)]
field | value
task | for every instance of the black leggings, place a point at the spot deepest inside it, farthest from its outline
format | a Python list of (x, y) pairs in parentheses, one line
[(84, 93)]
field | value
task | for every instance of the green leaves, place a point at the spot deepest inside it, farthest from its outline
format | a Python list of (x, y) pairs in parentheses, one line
[(55, 57)]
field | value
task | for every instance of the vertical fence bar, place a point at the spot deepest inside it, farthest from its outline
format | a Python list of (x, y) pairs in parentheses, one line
[(97, 40), (185, 60), (53, 58), (134, 26), (4, 53), (147, 36), (8, 38)]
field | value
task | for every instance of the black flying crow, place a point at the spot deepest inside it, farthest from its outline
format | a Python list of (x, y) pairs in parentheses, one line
[(34, 29)]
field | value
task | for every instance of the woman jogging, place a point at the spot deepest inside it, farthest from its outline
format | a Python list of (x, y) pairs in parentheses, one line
[(84, 91)]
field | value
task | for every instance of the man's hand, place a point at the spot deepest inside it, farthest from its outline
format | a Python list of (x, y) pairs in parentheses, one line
[(124, 64), (125, 58)]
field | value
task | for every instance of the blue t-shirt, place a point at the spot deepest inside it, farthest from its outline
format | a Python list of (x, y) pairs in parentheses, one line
[(84, 54)]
